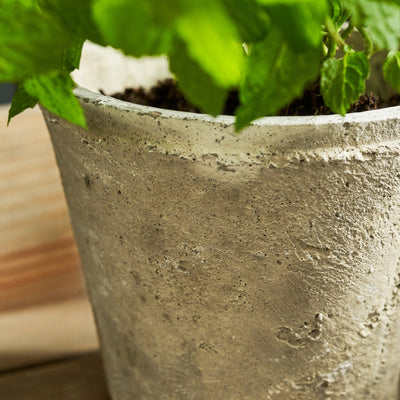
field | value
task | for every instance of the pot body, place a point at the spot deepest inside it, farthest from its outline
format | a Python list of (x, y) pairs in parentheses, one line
[(256, 266)]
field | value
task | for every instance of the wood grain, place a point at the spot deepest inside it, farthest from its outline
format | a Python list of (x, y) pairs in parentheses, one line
[(79, 378), (42, 274), (39, 262), (48, 332), (44, 311), (32, 205)]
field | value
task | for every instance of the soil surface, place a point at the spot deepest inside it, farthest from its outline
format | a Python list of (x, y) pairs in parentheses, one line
[(167, 95)]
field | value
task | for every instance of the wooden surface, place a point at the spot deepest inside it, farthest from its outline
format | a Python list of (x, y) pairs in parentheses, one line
[(38, 258), (48, 332), (44, 311), (78, 378)]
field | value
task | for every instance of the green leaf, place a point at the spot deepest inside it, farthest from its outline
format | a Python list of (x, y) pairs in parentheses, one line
[(299, 21), (29, 4), (132, 26), (380, 18), (336, 7), (343, 81), (74, 15), (391, 69), (275, 75), (20, 102), (72, 55), (212, 40), (250, 18), (197, 85), (54, 92), (30, 41), (339, 15)]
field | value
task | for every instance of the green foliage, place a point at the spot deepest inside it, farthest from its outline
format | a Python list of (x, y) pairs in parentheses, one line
[(269, 50), (339, 14), (299, 22), (20, 102), (198, 86), (251, 19), (391, 69), (275, 74), (212, 40), (54, 92), (381, 18), (342, 81), (74, 15), (72, 55), (31, 42), (130, 25), (337, 9)]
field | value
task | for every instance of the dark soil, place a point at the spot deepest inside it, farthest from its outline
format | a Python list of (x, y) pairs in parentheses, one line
[(312, 103), (164, 95), (167, 95)]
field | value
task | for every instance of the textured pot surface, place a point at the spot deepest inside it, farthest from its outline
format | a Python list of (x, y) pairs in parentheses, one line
[(256, 266)]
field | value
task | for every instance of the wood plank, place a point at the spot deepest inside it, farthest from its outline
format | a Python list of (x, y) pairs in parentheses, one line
[(32, 204), (49, 332), (39, 275), (44, 311), (39, 262), (79, 378)]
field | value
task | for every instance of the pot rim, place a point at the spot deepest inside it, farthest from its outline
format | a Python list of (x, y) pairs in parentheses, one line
[(386, 113), (277, 141)]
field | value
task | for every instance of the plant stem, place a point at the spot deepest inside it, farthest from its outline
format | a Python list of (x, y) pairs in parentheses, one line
[(347, 32), (369, 46), (331, 48), (334, 35)]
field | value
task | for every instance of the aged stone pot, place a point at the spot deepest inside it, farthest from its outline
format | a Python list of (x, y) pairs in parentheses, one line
[(220, 266)]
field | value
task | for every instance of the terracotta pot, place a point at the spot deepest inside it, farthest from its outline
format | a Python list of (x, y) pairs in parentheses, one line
[(221, 266)]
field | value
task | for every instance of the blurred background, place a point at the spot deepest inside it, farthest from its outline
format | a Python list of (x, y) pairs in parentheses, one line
[(48, 343), (6, 92)]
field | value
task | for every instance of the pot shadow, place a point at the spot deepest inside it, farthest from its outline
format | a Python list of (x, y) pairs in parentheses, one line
[(74, 378)]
